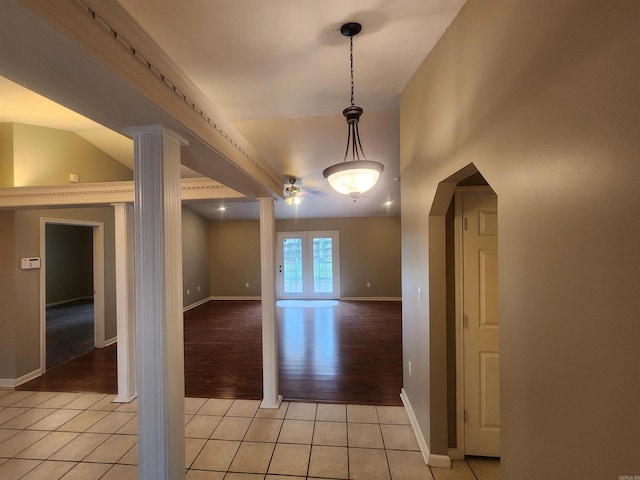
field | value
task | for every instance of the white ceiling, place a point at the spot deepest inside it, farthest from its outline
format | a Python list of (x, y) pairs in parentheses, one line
[(279, 69)]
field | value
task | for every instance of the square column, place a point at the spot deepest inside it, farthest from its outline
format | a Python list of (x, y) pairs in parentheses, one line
[(270, 389), (124, 302), (158, 303)]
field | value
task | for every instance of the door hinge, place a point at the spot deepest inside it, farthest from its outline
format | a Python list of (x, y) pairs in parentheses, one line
[(466, 417), (464, 223), (465, 321)]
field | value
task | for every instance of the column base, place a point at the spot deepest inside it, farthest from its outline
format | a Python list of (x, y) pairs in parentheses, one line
[(267, 404)]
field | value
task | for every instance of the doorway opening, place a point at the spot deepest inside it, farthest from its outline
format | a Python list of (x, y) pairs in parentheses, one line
[(464, 315), (71, 290), (308, 265)]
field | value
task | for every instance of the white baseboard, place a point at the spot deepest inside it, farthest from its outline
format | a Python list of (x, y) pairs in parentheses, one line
[(231, 297), (111, 341), (433, 460), (14, 382), (197, 304), (371, 299), (71, 300)]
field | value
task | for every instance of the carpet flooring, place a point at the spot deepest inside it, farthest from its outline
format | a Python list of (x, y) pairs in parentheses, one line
[(69, 331)]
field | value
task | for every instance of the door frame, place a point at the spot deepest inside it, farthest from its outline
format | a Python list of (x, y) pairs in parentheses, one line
[(309, 234), (98, 283), (459, 451)]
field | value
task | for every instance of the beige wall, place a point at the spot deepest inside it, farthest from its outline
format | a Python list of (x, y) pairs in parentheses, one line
[(6, 155), (7, 294), (369, 252), (69, 253), (542, 97), (195, 257), (46, 156)]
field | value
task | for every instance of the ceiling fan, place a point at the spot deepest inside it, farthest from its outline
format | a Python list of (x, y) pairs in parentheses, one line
[(293, 193)]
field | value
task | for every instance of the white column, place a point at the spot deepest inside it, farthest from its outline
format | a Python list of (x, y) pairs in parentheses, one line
[(124, 303), (270, 396), (158, 304)]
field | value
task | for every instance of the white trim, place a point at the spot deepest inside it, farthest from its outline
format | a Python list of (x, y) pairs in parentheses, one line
[(14, 382), (105, 193), (431, 459), (371, 299), (111, 341), (98, 282), (71, 300), (235, 297), (422, 443), (197, 304)]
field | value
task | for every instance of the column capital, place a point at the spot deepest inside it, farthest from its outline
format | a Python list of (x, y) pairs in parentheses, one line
[(142, 129)]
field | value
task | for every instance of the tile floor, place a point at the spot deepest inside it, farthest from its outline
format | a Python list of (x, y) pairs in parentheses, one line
[(51, 435)]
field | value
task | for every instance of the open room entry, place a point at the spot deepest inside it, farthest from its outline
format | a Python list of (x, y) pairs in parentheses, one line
[(308, 265), (71, 289)]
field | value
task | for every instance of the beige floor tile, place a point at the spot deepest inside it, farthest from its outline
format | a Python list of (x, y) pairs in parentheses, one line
[(112, 449), (244, 476), (187, 419), (330, 433), (204, 475), (87, 471), (231, 428), (122, 472), (296, 431), (6, 434), (301, 411), (14, 397), (4, 392), (28, 418), (329, 462), (252, 458), (279, 412), (362, 414), (283, 477), (289, 459), (216, 455), (243, 408), (9, 413), (399, 437), (201, 426), (82, 421), (131, 457), (47, 446), (111, 423), (60, 400), (459, 471), (36, 399), (130, 428), (55, 420), (22, 440), (263, 430), (131, 407), (105, 404), (215, 406), (80, 447), (368, 464), (485, 468), (192, 405), (331, 413), (48, 470), (85, 401), (393, 415), (408, 466), (15, 468), (192, 448), (364, 435)]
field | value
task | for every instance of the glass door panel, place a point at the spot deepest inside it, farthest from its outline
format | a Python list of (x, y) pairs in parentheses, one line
[(292, 265)]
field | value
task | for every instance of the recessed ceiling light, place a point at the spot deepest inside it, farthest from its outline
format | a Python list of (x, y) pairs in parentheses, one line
[(222, 209), (388, 203)]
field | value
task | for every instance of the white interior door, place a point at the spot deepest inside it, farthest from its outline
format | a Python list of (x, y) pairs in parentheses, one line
[(480, 335), (308, 265)]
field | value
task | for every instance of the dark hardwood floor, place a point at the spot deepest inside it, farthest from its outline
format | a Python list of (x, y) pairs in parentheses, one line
[(347, 353)]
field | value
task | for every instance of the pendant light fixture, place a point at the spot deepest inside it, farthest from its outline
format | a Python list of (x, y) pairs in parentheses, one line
[(357, 175)]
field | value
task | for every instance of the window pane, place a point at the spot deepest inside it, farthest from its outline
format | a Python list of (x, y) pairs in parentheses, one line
[(292, 268), (322, 265)]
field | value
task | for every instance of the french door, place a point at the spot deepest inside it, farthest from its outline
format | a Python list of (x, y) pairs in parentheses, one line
[(308, 265)]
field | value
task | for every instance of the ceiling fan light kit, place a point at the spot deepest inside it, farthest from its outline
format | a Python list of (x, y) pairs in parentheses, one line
[(292, 193), (358, 175)]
